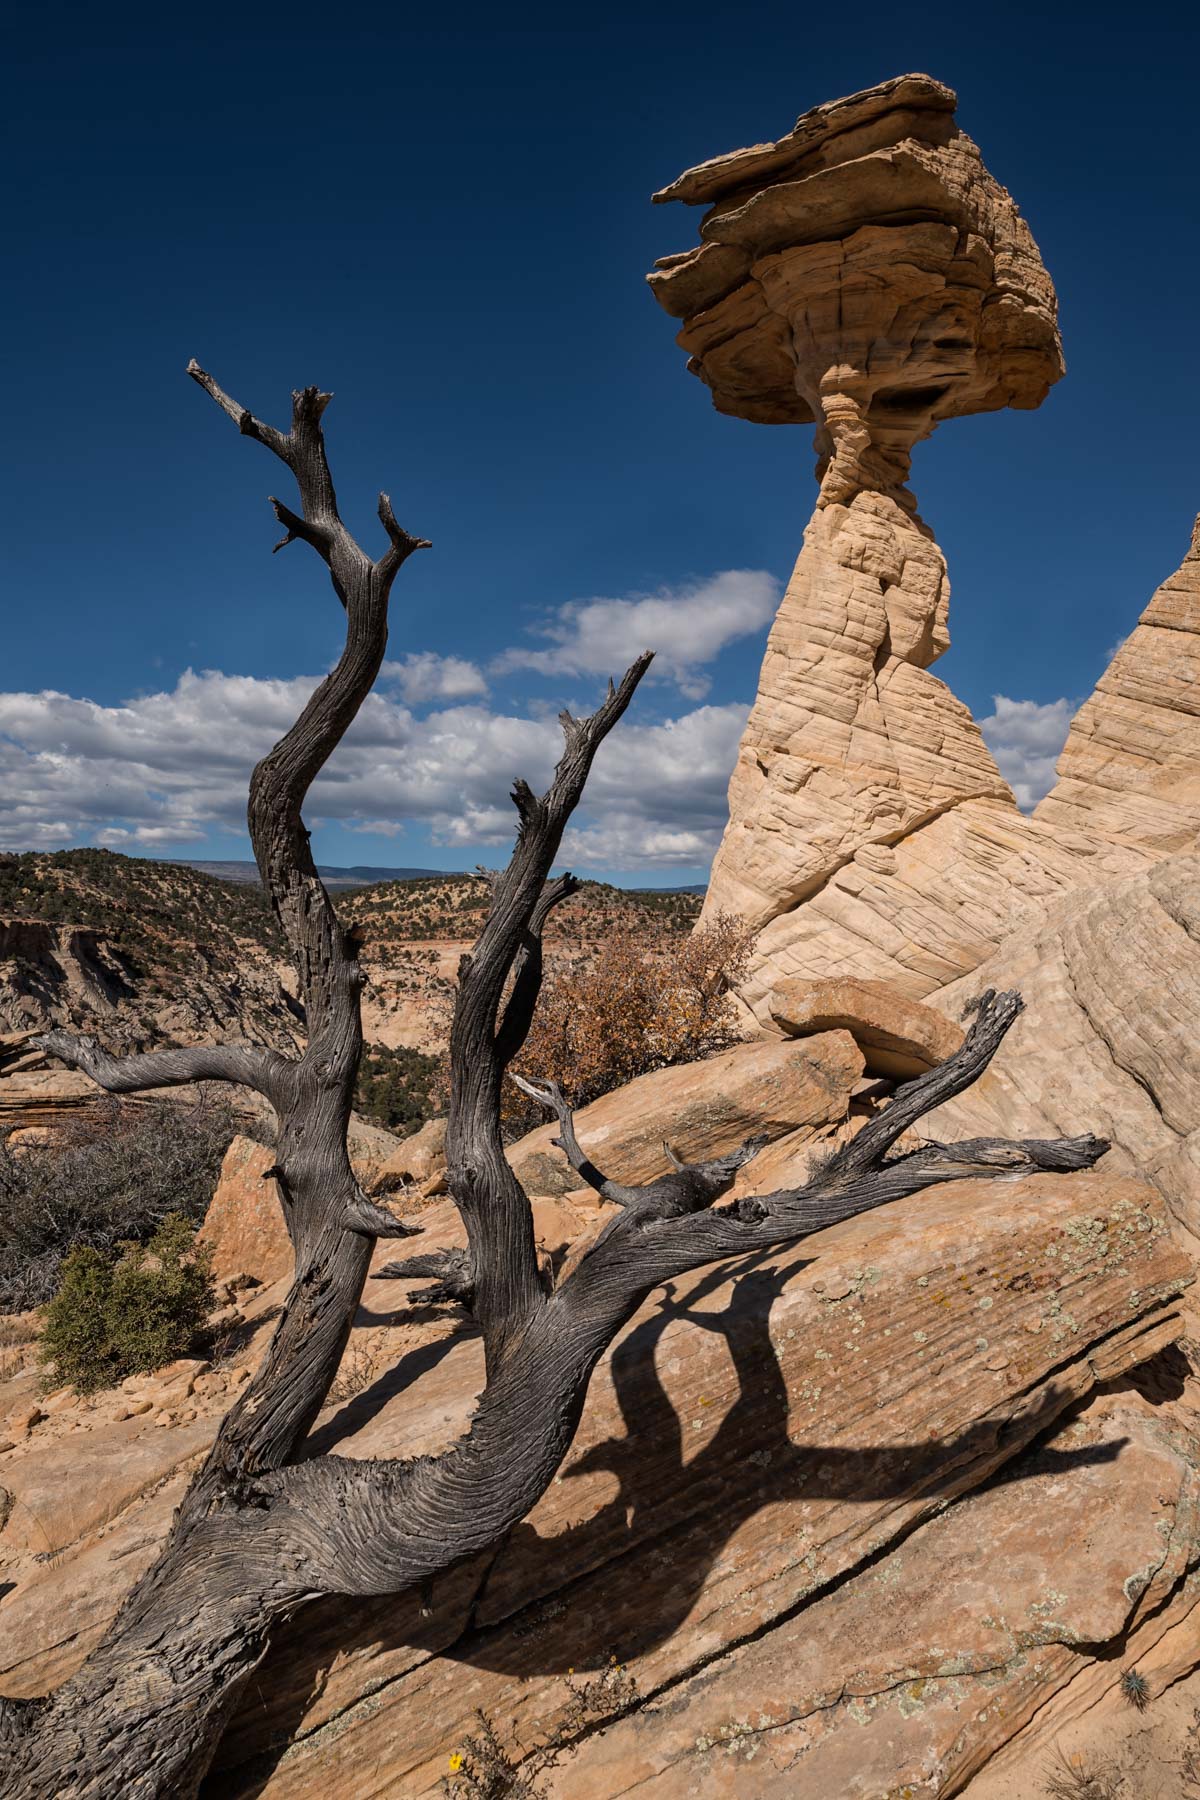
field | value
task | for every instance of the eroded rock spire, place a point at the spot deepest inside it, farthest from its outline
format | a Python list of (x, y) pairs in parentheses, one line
[(867, 275)]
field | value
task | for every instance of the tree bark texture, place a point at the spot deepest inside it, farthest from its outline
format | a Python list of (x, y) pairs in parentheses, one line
[(259, 1532)]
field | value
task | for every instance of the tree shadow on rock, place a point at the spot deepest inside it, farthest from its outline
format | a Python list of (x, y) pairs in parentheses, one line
[(623, 1581)]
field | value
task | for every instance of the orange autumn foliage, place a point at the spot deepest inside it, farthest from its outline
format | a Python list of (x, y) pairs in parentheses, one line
[(642, 1000)]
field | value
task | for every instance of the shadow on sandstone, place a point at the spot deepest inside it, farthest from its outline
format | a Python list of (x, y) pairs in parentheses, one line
[(623, 1581)]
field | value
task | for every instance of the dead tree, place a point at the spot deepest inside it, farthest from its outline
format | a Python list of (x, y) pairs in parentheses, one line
[(260, 1533)]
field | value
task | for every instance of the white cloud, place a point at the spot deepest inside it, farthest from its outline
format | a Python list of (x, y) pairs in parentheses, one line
[(173, 767), (424, 675), (686, 627), (1026, 738)]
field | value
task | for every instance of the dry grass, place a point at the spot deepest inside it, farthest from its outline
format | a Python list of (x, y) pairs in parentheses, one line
[(1081, 1778)]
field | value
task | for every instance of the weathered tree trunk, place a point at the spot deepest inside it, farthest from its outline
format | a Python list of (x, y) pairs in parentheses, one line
[(258, 1533)]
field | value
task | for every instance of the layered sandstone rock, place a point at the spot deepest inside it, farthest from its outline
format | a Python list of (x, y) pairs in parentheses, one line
[(1111, 983), (908, 1677), (1130, 771), (751, 1441), (759, 1457), (867, 274)]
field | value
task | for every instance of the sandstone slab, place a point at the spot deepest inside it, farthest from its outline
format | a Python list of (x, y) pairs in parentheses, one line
[(703, 1109), (897, 1036), (907, 1678), (751, 1438)]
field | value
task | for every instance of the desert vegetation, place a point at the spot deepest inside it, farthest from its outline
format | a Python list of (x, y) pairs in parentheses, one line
[(639, 1000), (104, 1180), (129, 1310)]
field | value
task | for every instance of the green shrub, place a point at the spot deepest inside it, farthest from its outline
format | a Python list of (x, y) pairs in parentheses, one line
[(128, 1312), (397, 1087)]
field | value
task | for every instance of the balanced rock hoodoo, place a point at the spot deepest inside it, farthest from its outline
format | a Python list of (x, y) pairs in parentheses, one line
[(867, 275)]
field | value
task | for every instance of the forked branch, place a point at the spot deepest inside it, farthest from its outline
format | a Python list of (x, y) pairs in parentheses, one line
[(508, 1281), (281, 781)]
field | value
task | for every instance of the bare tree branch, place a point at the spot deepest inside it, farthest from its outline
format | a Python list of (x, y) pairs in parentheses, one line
[(246, 1064), (527, 971), (282, 779), (689, 1188), (362, 1215), (495, 1209), (451, 1269)]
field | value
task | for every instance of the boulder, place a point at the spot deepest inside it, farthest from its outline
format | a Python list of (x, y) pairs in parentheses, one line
[(702, 1109), (897, 1036), (244, 1226), (415, 1160), (370, 1146)]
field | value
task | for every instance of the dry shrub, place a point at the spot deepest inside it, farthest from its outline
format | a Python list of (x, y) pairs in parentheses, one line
[(644, 999), (483, 1768), (106, 1178), (1082, 1778)]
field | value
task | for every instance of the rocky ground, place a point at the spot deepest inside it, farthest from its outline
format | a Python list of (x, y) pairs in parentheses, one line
[(846, 1520)]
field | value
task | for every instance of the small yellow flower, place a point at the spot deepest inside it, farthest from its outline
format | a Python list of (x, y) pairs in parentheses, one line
[(456, 1762)]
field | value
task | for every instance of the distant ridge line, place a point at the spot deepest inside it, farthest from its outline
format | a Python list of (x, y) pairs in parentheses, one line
[(358, 875), (363, 874)]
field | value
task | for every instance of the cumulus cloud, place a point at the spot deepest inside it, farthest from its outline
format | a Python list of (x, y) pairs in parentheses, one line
[(1026, 738), (172, 767), (686, 626), (424, 675)]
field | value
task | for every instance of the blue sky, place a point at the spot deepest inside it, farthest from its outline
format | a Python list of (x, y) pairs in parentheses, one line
[(450, 229)]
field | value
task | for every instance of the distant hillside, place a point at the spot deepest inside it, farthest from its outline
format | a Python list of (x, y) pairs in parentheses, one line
[(367, 874), (454, 906), (144, 952), (170, 955)]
